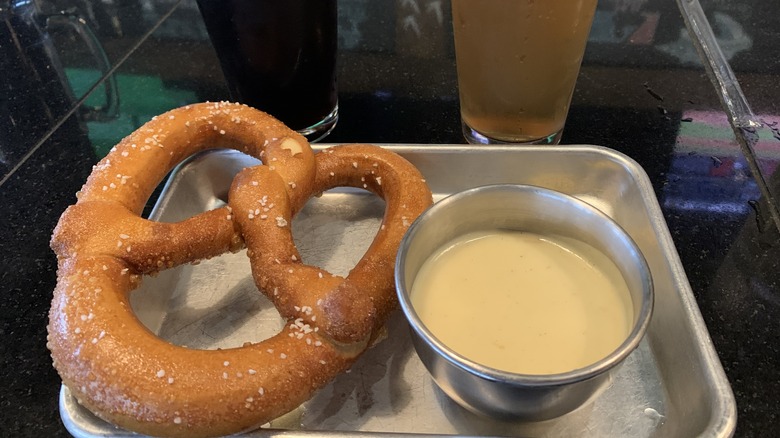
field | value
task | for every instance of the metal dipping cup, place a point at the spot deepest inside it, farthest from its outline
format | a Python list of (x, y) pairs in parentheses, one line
[(518, 62), (495, 393)]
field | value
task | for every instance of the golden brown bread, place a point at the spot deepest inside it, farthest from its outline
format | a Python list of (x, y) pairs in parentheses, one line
[(124, 373)]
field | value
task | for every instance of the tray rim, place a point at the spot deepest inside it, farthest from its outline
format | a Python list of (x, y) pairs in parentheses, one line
[(724, 402)]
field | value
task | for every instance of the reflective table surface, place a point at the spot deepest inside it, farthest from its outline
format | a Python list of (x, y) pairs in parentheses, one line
[(699, 111)]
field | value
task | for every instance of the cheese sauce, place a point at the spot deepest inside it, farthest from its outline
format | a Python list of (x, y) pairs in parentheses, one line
[(523, 302)]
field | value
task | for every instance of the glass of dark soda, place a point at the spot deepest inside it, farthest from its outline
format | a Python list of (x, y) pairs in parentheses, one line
[(279, 56)]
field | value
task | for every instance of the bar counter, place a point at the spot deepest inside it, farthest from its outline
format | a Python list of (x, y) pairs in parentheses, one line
[(78, 76)]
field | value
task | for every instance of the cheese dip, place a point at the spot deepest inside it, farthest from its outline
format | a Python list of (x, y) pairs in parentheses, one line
[(523, 302)]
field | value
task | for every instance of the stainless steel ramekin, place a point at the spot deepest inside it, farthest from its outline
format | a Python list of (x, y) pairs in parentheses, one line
[(500, 394)]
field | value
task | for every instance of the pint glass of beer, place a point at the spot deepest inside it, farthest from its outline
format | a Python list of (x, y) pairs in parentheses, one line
[(279, 56), (517, 62)]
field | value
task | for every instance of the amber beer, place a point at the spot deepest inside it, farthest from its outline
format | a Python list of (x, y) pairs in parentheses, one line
[(279, 56), (517, 62)]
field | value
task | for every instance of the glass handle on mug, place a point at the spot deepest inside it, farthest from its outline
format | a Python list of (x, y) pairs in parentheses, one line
[(110, 110)]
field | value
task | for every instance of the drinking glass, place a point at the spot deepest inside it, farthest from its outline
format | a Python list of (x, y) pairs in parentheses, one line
[(279, 57), (518, 62)]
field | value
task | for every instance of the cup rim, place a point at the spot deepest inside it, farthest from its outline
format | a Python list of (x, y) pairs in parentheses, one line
[(597, 368)]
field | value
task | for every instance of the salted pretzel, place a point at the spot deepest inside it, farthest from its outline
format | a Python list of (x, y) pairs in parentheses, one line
[(125, 374)]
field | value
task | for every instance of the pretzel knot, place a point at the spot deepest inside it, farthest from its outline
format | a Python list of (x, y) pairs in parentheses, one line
[(124, 373)]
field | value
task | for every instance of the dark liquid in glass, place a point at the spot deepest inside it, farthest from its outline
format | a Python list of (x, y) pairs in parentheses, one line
[(278, 56)]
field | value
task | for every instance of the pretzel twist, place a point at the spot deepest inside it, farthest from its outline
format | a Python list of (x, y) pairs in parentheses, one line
[(124, 373)]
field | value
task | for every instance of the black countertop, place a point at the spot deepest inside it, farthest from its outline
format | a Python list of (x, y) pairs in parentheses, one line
[(643, 90)]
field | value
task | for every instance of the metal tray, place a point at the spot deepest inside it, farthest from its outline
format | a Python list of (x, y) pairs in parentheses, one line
[(672, 386)]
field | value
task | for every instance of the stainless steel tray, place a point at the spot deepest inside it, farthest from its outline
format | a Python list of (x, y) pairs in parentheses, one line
[(672, 386)]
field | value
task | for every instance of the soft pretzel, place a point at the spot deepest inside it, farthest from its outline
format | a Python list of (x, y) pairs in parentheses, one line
[(124, 373)]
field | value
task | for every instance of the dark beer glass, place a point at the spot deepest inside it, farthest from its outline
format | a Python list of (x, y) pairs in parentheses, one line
[(279, 56)]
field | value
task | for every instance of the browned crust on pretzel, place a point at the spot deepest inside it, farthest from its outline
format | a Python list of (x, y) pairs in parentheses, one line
[(349, 311), (121, 183), (124, 373)]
